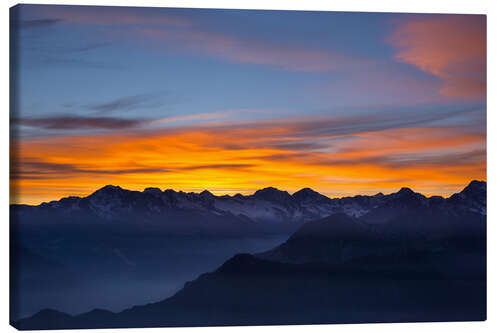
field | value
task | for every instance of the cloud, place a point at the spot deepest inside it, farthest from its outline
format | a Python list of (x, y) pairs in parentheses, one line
[(451, 47), (177, 32), (111, 16), (75, 122), (39, 168), (402, 160), (308, 131), (216, 166), (71, 122), (473, 157), (35, 168), (126, 103), (367, 152), (196, 117)]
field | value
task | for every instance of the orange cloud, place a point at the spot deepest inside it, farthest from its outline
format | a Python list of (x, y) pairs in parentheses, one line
[(245, 157), (451, 47)]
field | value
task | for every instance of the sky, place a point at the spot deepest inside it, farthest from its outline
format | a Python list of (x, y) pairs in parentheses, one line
[(236, 100)]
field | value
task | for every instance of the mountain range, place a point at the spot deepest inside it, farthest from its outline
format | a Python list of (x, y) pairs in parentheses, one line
[(267, 208), (384, 258)]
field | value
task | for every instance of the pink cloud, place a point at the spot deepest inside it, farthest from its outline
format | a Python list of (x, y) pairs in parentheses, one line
[(178, 31), (453, 48)]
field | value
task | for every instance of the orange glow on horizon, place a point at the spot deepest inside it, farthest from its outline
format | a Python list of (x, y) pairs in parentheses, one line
[(242, 160)]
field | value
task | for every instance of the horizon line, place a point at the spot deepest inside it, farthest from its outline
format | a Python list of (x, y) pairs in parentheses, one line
[(238, 193)]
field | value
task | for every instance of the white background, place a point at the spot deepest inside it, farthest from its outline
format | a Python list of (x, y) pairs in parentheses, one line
[(491, 8)]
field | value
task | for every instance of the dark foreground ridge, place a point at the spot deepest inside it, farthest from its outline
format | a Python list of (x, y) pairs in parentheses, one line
[(408, 259)]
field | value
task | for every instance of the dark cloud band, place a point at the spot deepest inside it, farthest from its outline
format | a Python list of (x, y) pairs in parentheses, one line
[(78, 122)]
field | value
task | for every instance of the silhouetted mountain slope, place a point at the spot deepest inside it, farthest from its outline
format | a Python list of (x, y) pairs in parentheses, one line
[(321, 241), (250, 291), (340, 238), (47, 319), (424, 261), (473, 197)]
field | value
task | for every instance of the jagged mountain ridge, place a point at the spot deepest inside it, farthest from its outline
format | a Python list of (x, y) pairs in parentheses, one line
[(266, 205)]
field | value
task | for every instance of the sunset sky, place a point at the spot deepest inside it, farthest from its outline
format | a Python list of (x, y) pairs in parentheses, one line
[(237, 100)]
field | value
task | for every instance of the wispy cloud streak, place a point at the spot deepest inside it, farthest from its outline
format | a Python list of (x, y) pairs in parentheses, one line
[(72, 122), (176, 32), (126, 103), (36, 168), (111, 16)]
